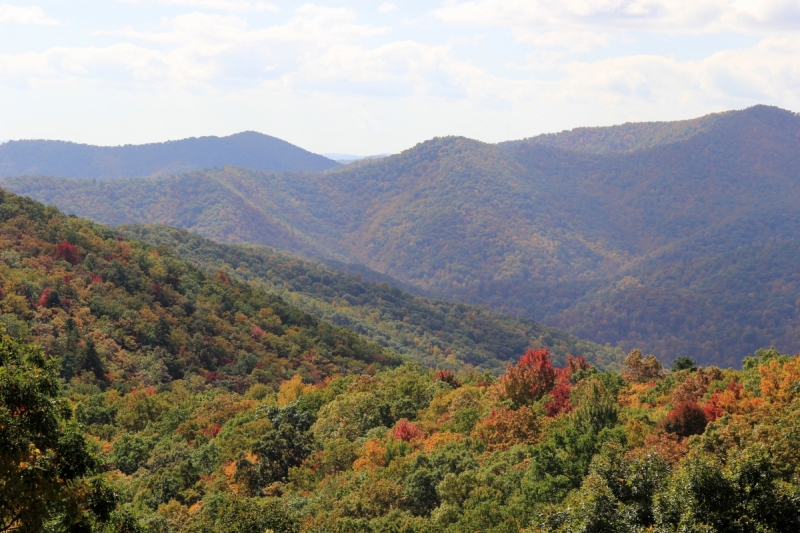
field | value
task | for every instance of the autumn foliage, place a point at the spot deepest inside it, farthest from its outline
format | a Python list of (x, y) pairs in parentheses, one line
[(641, 369), (447, 376), (406, 431), (68, 252), (531, 378), (505, 427), (215, 406), (686, 419)]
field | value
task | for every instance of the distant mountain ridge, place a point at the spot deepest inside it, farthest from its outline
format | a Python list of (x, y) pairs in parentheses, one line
[(627, 137), (71, 160), (684, 242)]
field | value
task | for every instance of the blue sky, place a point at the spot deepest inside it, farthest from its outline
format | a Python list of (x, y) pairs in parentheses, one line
[(375, 76)]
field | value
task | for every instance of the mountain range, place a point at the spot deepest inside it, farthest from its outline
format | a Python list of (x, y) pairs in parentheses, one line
[(676, 237), (72, 160), (140, 393)]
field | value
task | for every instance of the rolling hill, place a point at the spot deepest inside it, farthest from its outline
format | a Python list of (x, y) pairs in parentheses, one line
[(71, 160), (680, 238)]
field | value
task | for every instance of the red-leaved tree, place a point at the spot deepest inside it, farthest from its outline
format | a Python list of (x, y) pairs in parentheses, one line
[(560, 393), (48, 298), (448, 376), (686, 419), (406, 431), (68, 252), (531, 378)]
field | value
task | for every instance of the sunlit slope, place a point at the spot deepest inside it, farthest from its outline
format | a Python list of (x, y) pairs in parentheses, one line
[(118, 313)]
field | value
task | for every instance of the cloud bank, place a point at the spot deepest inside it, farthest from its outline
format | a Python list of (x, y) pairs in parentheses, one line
[(368, 78)]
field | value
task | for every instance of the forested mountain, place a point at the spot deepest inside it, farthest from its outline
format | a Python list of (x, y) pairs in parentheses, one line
[(141, 394), (687, 245), (433, 332), (72, 160)]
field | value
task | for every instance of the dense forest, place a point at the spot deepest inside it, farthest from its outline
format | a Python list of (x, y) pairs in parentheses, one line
[(679, 238), (72, 160), (141, 394), (433, 332)]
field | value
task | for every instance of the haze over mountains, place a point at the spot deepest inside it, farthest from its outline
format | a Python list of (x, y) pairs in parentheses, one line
[(72, 160), (680, 238)]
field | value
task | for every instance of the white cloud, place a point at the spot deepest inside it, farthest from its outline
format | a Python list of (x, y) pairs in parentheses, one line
[(570, 63), (30, 15), (326, 50), (231, 6), (386, 7), (683, 16), (571, 41), (225, 5), (767, 73), (316, 46), (61, 62)]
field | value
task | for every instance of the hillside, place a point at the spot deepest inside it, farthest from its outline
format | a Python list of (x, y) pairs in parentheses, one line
[(121, 315), (71, 160), (433, 332), (683, 247)]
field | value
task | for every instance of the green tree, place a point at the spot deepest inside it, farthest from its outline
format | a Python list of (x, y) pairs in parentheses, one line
[(684, 363), (131, 450), (44, 460), (285, 445), (250, 515), (743, 495)]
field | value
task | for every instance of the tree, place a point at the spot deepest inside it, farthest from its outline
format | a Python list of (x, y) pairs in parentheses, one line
[(248, 515), (68, 252), (744, 494), (91, 360), (686, 419), (131, 451), (285, 445), (684, 363), (531, 378), (641, 369), (161, 332), (44, 460)]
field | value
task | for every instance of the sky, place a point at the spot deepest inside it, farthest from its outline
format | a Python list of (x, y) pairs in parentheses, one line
[(377, 76)]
